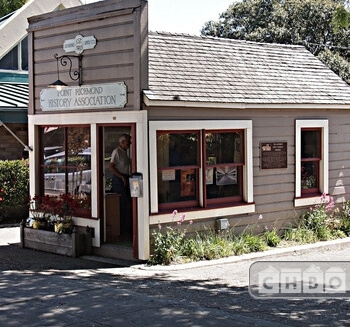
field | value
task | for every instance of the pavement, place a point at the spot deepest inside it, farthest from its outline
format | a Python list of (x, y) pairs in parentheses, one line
[(42, 289)]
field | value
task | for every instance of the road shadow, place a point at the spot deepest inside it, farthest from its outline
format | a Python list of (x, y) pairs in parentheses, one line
[(43, 289)]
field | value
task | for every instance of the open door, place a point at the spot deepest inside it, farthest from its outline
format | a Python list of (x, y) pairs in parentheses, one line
[(117, 211)]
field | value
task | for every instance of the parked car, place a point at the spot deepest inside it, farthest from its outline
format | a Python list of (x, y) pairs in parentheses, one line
[(77, 169)]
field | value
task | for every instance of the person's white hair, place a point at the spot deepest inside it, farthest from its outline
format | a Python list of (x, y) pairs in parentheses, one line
[(123, 137)]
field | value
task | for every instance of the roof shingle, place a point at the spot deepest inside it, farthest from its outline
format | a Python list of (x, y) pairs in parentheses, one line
[(207, 69)]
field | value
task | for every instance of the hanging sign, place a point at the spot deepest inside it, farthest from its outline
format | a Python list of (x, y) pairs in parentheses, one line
[(98, 96), (79, 44)]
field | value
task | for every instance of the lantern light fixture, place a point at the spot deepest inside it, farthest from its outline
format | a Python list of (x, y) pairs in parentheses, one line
[(75, 75)]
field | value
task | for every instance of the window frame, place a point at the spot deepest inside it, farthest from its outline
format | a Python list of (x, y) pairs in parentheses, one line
[(84, 213), (217, 125), (196, 167), (309, 198), (239, 165)]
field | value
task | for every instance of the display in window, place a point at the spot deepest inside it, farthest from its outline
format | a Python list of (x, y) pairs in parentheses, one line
[(211, 160), (209, 176), (188, 183), (308, 176), (226, 175)]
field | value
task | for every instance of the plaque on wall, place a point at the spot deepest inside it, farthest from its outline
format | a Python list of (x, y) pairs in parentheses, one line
[(273, 155)]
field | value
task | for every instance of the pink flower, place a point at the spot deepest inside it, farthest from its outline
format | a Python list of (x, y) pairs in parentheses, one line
[(260, 217), (173, 215), (191, 221), (183, 216), (179, 222), (159, 226)]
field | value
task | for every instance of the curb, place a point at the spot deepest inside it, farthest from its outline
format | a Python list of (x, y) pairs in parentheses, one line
[(329, 244)]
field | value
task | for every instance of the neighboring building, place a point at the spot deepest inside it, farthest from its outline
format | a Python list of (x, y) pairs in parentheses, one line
[(220, 128), (14, 73)]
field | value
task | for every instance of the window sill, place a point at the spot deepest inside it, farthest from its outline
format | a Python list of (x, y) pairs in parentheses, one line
[(307, 201), (203, 214)]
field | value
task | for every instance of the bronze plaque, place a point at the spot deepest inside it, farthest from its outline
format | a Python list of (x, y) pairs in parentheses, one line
[(273, 155)]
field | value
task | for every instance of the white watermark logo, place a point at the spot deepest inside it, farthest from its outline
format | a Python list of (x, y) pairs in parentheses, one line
[(301, 279)]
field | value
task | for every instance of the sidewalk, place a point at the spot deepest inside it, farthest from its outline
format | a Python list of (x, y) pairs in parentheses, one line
[(41, 289)]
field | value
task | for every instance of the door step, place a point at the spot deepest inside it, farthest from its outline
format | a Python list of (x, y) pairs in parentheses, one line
[(114, 251)]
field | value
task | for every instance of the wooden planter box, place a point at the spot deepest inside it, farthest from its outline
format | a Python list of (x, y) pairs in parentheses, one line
[(75, 244)]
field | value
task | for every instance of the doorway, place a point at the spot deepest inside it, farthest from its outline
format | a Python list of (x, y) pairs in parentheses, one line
[(117, 211)]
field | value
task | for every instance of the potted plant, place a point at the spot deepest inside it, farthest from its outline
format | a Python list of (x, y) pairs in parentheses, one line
[(51, 227)]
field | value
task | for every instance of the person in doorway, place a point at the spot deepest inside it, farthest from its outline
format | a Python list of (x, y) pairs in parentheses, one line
[(120, 168)]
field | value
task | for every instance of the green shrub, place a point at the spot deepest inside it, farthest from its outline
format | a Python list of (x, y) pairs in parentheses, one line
[(254, 243), (14, 184), (344, 220), (320, 222), (271, 237), (300, 235)]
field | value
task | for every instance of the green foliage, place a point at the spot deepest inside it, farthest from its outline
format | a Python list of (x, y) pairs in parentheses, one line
[(271, 237), (14, 183), (253, 243), (344, 223), (321, 222), (317, 24), (8, 6), (336, 63), (167, 245), (300, 234)]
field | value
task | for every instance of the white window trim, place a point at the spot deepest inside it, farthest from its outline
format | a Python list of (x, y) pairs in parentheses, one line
[(245, 125), (299, 125)]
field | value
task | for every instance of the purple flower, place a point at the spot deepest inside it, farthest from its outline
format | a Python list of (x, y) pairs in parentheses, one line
[(173, 215)]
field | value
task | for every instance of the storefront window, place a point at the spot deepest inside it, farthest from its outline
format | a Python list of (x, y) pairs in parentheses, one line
[(224, 162), (178, 167), (201, 165), (66, 164)]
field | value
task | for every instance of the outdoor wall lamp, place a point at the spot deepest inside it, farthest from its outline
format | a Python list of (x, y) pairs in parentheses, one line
[(75, 75)]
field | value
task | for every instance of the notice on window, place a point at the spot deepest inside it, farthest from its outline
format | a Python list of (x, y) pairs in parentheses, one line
[(273, 155), (168, 175)]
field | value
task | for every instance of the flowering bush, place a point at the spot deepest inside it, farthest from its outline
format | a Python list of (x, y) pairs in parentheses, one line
[(321, 218), (321, 222), (168, 244)]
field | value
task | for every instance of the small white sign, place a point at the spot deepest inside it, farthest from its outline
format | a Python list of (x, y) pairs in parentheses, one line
[(79, 44), (98, 96)]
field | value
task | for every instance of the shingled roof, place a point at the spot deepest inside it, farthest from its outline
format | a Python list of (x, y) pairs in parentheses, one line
[(213, 70)]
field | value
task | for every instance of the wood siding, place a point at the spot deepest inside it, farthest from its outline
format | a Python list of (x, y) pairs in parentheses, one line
[(274, 189), (117, 56)]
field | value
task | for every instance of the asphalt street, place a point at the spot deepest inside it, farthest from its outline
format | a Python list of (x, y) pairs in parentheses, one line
[(41, 289)]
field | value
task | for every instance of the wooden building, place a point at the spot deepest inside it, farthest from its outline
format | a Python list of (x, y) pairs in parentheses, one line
[(14, 74), (220, 128)]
